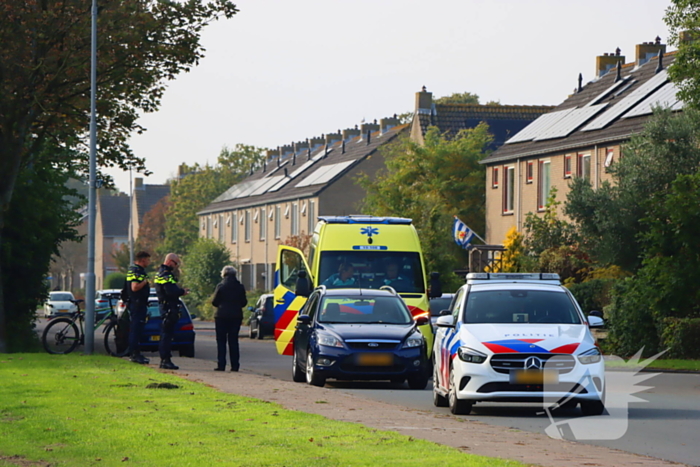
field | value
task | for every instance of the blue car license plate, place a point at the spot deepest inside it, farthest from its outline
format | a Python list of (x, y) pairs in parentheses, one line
[(375, 359)]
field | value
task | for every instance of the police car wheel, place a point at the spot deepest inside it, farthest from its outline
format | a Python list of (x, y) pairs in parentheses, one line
[(592, 407), (251, 334), (438, 399), (457, 406)]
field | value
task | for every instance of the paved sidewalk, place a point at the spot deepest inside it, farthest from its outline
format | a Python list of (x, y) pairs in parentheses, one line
[(464, 433)]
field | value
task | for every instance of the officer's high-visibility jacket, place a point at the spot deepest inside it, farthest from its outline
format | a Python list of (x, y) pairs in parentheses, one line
[(167, 289)]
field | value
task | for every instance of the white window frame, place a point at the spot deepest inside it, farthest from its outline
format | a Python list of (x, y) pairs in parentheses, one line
[(278, 222), (508, 189), (248, 226), (263, 224), (295, 218), (234, 227), (544, 180)]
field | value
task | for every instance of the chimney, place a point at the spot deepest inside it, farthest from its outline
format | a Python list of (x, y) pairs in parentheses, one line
[(270, 154), (648, 50), (286, 151), (350, 133), (687, 37), (424, 101), (301, 146), (138, 183), (606, 62), (332, 138), (366, 128), (315, 143), (386, 124)]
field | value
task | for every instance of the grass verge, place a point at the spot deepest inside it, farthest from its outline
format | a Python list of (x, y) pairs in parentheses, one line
[(668, 364), (76, 410)]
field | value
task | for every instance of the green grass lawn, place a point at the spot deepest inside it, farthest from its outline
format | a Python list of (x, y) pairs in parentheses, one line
[(669, 364), (76, 410)]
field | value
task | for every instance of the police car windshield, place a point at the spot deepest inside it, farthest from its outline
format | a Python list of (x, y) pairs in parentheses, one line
[(356, 310), (370, 269), (520, 307)]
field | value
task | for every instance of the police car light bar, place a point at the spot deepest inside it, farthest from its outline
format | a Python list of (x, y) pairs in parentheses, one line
[(503, 276)]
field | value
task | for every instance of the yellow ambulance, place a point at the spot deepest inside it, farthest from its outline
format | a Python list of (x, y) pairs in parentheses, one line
[(356, 252)]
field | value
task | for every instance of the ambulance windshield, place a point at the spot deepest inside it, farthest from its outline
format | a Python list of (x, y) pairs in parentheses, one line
[(371, 270)]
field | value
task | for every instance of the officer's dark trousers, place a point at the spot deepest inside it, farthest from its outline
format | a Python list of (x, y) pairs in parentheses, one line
[(137, 312), (227, 332), (167, 332)]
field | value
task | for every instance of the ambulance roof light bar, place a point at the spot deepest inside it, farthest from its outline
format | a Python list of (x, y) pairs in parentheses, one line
[(364, 219)]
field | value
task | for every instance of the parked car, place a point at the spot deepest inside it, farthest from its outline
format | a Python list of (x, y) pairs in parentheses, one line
[(359, 334), (59, 303), (517, 337), (439, 304), (103, 299), (183, 341), (262, 317)]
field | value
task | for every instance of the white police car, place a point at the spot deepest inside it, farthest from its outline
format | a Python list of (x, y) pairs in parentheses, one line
[(517, 337)]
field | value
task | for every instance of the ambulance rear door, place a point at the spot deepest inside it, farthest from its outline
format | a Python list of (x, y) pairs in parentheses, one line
[(290, 261)]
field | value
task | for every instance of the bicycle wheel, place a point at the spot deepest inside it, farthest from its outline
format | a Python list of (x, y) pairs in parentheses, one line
[(61, 336), (116, 344)]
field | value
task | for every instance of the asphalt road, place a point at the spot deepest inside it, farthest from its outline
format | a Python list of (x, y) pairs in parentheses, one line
[(665, 424)]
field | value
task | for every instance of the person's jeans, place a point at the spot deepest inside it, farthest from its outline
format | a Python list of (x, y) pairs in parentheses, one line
[(227, 332)]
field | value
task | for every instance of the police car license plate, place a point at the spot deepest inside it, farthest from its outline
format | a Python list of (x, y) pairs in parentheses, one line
[(155, 338), (534, 377), (375, 359)]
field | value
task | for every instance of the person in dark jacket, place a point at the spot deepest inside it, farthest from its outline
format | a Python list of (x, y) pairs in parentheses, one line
[(229, 300), (138, 289), (169, 294)]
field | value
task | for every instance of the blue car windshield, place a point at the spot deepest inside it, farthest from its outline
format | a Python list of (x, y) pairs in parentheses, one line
[(369, 269), (359, 310), (520, 307)]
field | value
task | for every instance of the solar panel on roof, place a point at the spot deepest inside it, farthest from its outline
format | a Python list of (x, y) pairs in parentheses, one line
[(571, 121), (542, 122), (324, 174), (298, 171), (628, 102), (663, 97), (235, 191), (268, 182), (605, 93)]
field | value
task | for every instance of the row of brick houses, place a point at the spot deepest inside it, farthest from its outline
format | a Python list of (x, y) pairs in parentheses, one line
[(581, 137), (318, 176)]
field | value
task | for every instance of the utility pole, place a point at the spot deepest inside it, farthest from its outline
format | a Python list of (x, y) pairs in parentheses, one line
[(131, 219), (92, 206)]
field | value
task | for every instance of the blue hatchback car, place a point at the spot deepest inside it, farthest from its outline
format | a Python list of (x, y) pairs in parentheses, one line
[(359, 334), (183, 341)]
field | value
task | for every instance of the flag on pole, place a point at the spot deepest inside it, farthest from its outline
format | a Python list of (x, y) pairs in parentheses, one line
[(462, 234)]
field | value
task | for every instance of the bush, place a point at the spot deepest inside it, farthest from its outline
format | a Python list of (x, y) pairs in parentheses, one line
[(115, 280), (681, 336), (202, 272), (593, 294)]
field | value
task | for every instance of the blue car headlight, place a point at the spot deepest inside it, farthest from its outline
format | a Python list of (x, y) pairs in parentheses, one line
[(590, 356), (470, 355), (329, 341), (414, 340)]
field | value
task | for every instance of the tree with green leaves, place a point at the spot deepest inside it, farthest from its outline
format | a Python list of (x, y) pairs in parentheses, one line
[(683, 21), (608, 219), (458, 98), (198, 188), (430, 184), (45, 83), (202, 271)]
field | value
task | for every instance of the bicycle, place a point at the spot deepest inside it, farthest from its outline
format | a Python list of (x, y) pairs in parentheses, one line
[(64, 334)]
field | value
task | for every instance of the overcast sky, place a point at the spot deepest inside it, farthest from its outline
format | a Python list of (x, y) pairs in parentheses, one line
[(282, 71)]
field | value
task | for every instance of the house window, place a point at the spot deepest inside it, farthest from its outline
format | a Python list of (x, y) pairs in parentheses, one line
[(567, 166), (508, 189), (263, 223), (610, 154), (544, 185), (208, 226), (584, 166), (234, 227), (530, 176), (278, 222), (494, 181), (248, 226), (295, 219), (221, 228), (310, 215)]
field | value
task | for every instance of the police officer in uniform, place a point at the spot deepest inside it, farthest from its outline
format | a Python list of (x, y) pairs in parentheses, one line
[(138, 288), (169, 294)]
